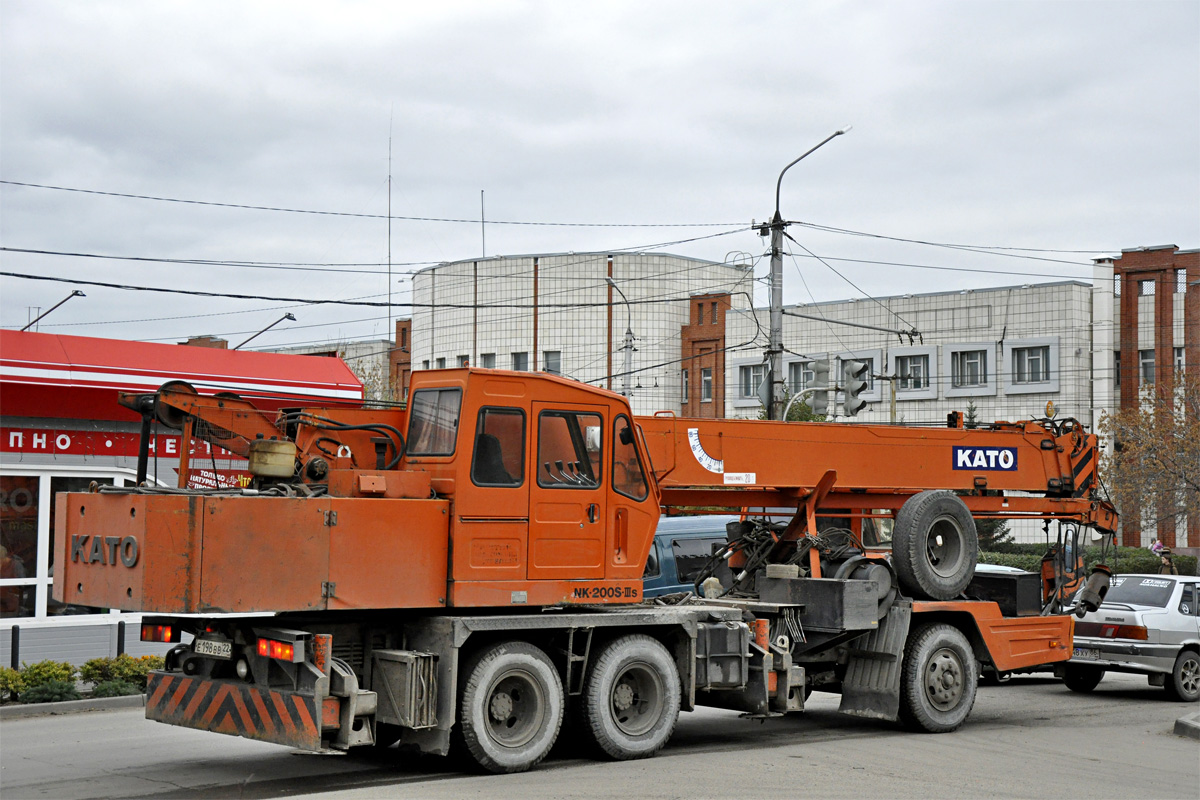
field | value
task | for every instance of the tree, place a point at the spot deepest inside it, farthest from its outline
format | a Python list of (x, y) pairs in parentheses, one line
[(799, 412), (373, 372), (992, 532), (1154, 463), (971, 418)]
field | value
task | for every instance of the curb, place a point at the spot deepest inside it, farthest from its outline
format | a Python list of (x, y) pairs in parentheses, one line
[(1188, 726), (19, 711)]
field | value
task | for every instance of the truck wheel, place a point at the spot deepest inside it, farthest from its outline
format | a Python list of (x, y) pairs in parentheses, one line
[(934, 545), (938, 679), (510, 707), (631, 701), (1082, 678), (1183, 684)]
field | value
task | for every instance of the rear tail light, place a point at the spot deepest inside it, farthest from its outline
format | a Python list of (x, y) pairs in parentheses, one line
[(270, 648), (1105, 630), (160, 633)]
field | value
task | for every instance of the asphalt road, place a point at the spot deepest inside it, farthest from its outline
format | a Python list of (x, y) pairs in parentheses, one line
[(1030, 738)]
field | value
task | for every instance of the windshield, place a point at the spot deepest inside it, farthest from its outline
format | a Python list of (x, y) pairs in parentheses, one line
[(1140, 591)]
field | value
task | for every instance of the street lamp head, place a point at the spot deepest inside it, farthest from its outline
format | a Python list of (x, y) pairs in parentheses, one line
[(846, 129), (78, 293), (610, 282)]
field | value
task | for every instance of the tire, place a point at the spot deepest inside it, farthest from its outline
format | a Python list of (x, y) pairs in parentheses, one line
[(939, 679), (510, 707), (934, 545), (1183, 684), (631, 701), (1082, 678)]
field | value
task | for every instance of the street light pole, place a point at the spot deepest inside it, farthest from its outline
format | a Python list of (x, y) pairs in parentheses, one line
[(628, 348), (75, 293), (264, 330), (775, 348)]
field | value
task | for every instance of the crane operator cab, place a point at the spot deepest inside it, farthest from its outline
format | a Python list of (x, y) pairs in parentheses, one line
[(560, 507)]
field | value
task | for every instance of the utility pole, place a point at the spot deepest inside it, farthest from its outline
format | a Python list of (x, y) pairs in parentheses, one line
[(777, 226), (628, 348)]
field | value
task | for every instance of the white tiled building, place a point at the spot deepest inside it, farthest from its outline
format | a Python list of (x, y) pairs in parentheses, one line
[(1007, 350), (556, 313)]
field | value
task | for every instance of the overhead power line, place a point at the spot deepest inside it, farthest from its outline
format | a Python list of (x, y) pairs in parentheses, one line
[(373, 216), (311, 301)]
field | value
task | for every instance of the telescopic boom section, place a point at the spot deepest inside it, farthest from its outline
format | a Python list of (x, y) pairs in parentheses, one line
[(751, 463)]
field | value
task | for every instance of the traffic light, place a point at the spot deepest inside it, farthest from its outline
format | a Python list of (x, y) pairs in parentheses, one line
[(854, 382), (818, 400)]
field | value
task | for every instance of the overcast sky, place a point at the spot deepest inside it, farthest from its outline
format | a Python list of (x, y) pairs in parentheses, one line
[(1058, 126)]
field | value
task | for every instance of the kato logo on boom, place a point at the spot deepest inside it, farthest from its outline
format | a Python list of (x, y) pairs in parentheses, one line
[(992, 459)]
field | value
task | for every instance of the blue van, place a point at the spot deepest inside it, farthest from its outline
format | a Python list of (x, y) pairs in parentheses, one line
[(682, 546)]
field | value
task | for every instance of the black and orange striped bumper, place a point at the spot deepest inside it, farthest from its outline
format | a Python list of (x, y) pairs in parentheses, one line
[(235, 708)]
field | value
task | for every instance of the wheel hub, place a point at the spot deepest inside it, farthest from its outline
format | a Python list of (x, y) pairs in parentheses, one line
[(944, 680), (622, 696), (501, 706)]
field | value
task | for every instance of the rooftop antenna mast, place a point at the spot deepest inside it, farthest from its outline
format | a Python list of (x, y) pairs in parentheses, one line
[(482, 226), (389, 332)]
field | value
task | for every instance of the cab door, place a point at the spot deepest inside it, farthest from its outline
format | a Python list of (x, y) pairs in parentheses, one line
[(567, 509)]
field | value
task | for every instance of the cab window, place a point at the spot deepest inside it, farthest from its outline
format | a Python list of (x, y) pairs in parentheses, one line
[(569, 450), (499, 458), (628, 478), (433, 422)]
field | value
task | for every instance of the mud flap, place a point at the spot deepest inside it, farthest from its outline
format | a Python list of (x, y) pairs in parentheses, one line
[(234, 708), (871, 687)]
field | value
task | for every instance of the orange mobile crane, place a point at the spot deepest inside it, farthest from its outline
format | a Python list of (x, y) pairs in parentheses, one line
[(472, 565)]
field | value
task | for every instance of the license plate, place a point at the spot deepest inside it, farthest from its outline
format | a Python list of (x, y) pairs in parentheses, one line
[(209, 647), (1086, 652)]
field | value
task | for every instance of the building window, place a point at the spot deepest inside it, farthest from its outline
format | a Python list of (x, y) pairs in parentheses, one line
[(706, 388), (699, 313), (1117, 369), (404, 337), (750, 378), (1179, 361), (1146, 365), (1145, 288), (800, 376), (464, 361), (1117, 284), (520, 362), (968, 368), (1031, 364), (1180, 281), (441, 363), (683, 382), (552, 361), (913, 372), (487, 360), (425, 364), (714, 313)]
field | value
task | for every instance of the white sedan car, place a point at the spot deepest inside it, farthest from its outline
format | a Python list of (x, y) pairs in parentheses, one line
[(1147, 624)]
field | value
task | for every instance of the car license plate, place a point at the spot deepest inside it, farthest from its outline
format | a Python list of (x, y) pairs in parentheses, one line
[(216, 649), (1086, 652)]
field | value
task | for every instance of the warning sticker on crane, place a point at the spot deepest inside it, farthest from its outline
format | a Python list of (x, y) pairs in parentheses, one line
[(705, 460)]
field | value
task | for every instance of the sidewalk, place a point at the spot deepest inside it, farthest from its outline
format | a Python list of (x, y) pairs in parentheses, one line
[(21, 711)]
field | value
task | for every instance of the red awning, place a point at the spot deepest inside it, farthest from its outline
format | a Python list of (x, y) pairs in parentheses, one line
[(77, 377)]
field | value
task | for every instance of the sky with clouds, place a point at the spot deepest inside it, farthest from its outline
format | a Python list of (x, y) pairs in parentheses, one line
[(1061, 130)]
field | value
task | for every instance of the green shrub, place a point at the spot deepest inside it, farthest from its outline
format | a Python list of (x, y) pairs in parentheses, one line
[(51, 691), (97, 670), (1023, 561), (11, 684), (44, 672), (134, 670), (115, 689), (1121, 560)]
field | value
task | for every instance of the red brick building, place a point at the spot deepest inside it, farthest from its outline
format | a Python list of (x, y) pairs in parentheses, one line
[(702, 368), (1156, 286)]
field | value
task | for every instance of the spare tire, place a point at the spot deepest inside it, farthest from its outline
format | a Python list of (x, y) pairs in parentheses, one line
[(934, 545)]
